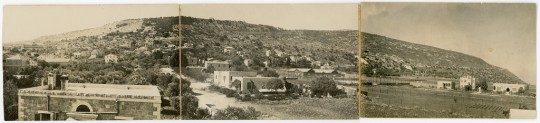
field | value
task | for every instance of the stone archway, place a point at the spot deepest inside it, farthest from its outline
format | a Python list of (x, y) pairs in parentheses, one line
[(81, 106)]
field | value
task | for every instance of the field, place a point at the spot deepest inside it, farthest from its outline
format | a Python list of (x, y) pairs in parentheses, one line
[(302, 108), (310, 108), (406, 101)]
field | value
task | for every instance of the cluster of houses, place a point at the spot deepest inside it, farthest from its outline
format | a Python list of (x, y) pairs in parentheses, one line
[(465, 81)]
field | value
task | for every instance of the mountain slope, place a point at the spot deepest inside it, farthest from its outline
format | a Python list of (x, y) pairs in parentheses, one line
[(120, 26), (337, 47), (398, 57)]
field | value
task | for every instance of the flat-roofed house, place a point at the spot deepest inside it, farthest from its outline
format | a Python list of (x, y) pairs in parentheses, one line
[(217, 65), (444, 85), (300, 72), (225, 78), (507, 88), (324, 72), (17, 61), (59, 100)]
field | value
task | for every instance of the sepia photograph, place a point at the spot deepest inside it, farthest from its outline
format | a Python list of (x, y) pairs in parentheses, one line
[(90, 62), (269, 62), (448, 60)]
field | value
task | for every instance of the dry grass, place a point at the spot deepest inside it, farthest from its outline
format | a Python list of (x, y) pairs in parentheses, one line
[(405, 101)]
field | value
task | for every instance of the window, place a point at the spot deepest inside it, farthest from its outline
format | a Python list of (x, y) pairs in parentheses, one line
[(44, 116)]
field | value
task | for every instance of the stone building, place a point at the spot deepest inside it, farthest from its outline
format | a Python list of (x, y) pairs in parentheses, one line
[(217, 65), (507, 88), (467, 80), (57, 99)]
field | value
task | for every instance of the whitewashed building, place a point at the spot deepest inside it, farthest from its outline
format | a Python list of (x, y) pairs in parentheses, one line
[(111, 58), (507, 88), (467, 80)]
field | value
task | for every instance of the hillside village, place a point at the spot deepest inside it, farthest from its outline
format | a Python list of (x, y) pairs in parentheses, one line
[(126, 53), (265, 64)]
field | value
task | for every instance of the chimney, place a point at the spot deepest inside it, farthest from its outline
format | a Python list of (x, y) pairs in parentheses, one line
[(51, 81), (64, 82)]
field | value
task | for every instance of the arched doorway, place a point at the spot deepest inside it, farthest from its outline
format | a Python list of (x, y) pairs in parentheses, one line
[(82, 108), (507, 89)]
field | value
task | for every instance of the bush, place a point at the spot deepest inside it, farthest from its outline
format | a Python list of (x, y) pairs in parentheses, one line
[(276, 97), (195, 74), (236, 113), (468, 87), (226, 91), (244, 97)]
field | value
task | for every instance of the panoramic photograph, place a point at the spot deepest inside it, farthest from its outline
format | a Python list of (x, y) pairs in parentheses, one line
[(269, 62), (448, 60), (91, 62)]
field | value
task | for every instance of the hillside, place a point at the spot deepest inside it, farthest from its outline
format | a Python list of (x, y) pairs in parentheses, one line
[(396, 57), (337, 47), (128, 26)]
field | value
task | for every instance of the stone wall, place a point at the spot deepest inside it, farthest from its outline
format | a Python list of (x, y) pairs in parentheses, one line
[(106, 108)]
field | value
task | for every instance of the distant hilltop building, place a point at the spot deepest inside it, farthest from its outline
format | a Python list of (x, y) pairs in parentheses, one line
[(33, 46), (228, 49), (111, 58), (57, 99)]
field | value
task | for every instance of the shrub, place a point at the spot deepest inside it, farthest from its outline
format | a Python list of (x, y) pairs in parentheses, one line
[(236, 113), (323, 86), (195, 74), (468, 87), (226, 91)]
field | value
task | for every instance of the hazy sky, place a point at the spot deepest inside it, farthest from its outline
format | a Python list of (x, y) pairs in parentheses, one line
[(287, 16), (29, 22), (501, 34)]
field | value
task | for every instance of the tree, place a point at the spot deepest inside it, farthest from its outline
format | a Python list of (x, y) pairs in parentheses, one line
[(174, 61), (238, 61), (274, 84), (482, 85), (236, 84), (210, 69), (10, 100), (183, 59), (236, 113), (323, 86), (303, 63), (172, 90), (268, 73), (189, 106), (184, 87), (163, 80), (467, 87), (521, 91)]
